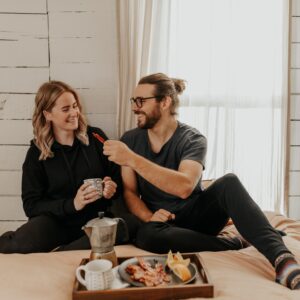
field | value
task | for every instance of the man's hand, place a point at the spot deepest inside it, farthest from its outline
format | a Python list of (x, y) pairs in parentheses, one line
[(162, 215), (118, 152)]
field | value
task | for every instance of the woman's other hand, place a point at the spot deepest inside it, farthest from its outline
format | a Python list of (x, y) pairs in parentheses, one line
[(109, 187)]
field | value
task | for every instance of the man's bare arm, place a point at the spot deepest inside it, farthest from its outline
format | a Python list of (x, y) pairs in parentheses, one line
[(180, 183), (134, 203)]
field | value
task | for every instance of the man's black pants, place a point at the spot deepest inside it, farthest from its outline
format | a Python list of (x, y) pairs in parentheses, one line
[(225, 198)]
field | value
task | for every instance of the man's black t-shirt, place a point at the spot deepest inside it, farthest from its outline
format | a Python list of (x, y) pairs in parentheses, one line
[(186, 143)]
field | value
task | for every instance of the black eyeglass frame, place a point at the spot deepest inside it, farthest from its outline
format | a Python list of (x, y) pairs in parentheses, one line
[(139, 101)]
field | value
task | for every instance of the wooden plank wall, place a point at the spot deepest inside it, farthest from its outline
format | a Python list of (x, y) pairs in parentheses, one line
[(71, 40), (294, 187)]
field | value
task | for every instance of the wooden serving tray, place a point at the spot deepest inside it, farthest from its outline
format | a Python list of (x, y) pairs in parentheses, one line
[(200, 287)]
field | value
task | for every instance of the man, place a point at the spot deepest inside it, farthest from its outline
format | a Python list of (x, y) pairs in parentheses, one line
[(162, 163)]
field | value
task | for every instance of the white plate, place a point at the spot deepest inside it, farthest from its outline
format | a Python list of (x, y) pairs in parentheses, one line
[(118, 282), (153, 260)]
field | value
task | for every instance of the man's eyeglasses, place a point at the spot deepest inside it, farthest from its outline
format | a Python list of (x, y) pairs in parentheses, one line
[(139, 101)]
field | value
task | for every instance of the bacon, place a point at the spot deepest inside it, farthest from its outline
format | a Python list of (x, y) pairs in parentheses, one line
[(135, 271), (145, 273), (145, 265)]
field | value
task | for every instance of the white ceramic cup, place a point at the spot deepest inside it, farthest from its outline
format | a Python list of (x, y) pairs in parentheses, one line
[(96, 183), (98, 274)]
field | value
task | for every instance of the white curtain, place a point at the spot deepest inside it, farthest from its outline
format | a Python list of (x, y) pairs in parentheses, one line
[(233, 54), (133, 24)]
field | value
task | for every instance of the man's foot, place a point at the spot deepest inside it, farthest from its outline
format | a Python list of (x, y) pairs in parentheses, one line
[(287, 271)]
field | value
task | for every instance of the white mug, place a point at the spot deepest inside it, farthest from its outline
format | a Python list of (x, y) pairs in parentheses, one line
[(96, 183), (98, 274)]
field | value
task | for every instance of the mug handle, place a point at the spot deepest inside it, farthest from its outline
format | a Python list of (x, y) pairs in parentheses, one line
[(122, 226), (78, 275)]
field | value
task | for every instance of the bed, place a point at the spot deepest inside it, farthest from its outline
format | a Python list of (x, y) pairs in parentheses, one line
[(243, 274)]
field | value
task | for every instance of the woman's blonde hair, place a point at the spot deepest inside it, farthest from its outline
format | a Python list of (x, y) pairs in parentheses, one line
[(45, 99)]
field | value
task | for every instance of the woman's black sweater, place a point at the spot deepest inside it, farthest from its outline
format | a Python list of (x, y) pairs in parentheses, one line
[(50, 186)]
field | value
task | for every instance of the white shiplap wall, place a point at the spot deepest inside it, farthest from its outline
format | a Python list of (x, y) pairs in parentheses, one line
[(69, 40), (294, 187)]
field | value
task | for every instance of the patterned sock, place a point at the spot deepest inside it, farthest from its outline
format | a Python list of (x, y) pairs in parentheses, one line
[(287, 271)]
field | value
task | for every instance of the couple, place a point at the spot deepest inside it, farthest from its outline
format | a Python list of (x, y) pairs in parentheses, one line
[(161, 166)]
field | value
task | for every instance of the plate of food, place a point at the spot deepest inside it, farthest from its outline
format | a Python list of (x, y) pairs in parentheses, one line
[(153, 271)]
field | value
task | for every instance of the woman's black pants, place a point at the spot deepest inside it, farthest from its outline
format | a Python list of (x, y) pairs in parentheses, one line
[(46, 233)]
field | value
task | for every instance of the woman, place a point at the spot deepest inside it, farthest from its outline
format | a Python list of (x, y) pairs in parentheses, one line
[(64, 152)]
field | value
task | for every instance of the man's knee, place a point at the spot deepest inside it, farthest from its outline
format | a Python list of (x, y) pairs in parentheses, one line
[(230, 177), (151, 237), (230, 180)]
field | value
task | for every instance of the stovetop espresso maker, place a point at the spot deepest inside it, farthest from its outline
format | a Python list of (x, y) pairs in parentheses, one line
[(102, 234)]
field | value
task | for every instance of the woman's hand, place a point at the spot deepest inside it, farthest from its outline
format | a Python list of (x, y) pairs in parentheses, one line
[(162, 215), (109, 187), (86, 194)]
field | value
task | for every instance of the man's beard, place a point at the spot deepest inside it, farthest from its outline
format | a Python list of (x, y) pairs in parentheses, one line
[(150, 120)]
